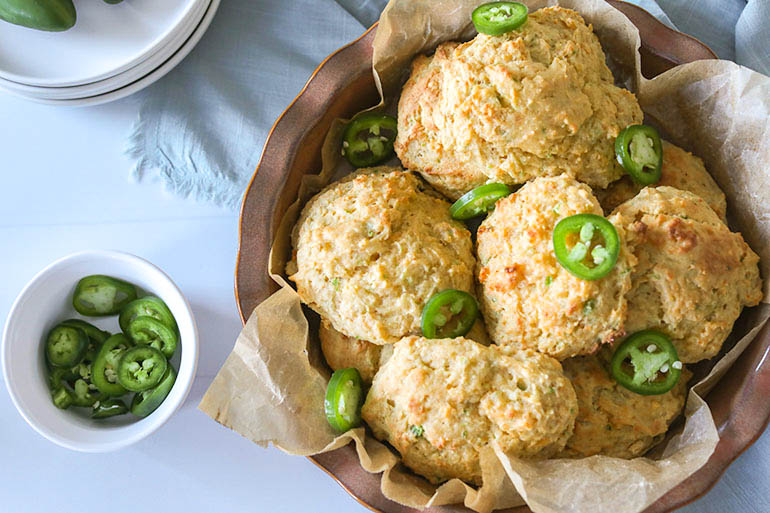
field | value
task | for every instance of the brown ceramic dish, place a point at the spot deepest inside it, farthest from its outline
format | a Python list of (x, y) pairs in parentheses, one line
[(343, 85)]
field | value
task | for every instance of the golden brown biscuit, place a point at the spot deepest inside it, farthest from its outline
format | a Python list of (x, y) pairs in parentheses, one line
[(438, 402), (342, 352), (693, 275), (612, 420), (681, 170), (536, 101), (373, 248), (529, 300)]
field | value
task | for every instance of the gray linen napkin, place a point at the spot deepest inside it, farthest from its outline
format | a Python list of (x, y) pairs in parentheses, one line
[(202, 127)]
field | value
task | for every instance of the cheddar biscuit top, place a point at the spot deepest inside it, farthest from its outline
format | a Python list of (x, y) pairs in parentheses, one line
[(536, 101), (439, 402), (529, 300), (373, 248), (681, 170), (612, 420), (693, 275)]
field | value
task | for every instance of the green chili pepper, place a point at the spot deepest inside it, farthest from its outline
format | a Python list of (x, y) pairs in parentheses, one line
[(344, 398), (646, 363), (105, 366), (449, 314), (149, 306), (58, 377), (148, 401), (62, 398), (96, 335), (586, 245), (369, 138), (65, 346), (48, 15), (640, 152), (478, 201), (100, 295), (141, 368), (495, 18), (96, 338), (145, 330), (108, 408), (86, 393)]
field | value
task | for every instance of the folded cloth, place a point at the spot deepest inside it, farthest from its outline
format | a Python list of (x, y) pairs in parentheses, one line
[(202, 127)]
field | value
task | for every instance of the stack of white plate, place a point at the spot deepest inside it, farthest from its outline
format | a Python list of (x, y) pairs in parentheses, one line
[(111, 52)]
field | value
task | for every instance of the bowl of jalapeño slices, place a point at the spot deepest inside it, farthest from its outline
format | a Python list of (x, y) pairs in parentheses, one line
[(99, 350)]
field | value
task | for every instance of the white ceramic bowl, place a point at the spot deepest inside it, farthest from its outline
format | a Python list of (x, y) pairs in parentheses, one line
[(47, 300)]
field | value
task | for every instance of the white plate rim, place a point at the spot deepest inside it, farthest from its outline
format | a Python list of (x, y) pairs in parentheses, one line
[(117, 81), (161, 40), (140, 84)]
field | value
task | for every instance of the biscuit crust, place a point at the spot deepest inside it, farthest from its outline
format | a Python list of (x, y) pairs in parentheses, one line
[(537, 101), (439, 402), (528, 299), (693, 275)]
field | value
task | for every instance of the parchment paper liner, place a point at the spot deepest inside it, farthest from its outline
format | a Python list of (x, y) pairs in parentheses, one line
[(272, 385)]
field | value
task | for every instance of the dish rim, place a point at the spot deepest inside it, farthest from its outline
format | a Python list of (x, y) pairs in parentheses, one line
[(703, 484)]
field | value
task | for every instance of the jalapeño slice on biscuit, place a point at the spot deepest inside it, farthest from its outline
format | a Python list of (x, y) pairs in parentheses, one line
[(646, 363), (586, 245), (369, 138), (495, 18), (640, 152), (449, 314), (478, 201), (344, 397)]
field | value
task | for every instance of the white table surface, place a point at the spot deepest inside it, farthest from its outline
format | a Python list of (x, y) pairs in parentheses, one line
[(64, 187)]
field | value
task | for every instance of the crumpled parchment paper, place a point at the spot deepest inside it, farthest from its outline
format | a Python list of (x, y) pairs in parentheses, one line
[(271, 387)]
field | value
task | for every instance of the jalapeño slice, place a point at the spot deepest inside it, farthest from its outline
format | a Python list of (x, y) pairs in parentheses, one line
[(108, 408), (344, 397), (99, 295), (148, 401), (449, 314), (149, 306), (62, 398), (58, 377), (145, 330), (640, 152), (105, 366), (495, 18), (141, 368), (586, 245), (85, 393), (65, 346), (369, 138), (96, 335), (480, 200), (646, 363)]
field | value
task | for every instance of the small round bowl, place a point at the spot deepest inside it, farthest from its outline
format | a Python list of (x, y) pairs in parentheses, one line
[(46, 301)]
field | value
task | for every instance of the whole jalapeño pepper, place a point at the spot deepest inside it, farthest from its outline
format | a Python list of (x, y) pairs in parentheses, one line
[(48, 15)]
